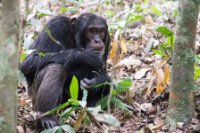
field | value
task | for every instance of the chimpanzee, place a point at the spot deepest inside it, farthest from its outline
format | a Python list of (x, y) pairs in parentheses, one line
[(67, 47)]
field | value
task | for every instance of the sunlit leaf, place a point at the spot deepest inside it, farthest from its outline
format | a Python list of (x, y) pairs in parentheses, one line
[(123, 46), (65, 9), (166, 74), (23, 55), (74, 88), (113, 49), (110, 13), (159, 52), (156, 10), (160, 84), (164, 31), (196, 73)]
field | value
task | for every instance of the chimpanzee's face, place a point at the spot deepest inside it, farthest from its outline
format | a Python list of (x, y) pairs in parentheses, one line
[(91, 32), (94, 35)]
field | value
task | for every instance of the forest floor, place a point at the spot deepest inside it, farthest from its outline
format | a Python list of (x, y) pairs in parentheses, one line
[(146, 70)]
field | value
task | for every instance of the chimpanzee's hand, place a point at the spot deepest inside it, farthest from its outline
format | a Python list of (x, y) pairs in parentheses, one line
[(89, 83)]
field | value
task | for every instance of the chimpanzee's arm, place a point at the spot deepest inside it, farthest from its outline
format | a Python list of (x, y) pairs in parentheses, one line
[(70, 59)]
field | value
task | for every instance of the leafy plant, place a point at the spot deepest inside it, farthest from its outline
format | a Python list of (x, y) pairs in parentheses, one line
[(166, 47), (120, 87), (85, 113)]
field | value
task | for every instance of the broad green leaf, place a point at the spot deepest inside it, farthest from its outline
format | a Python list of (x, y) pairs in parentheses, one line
[(164, 31), (118, 103), (59, 130), (68, 128), (156, 10), (132, 17), (123, 85), (159, 52), (53, 130), (110, 13), (103, 102), (74, 88)]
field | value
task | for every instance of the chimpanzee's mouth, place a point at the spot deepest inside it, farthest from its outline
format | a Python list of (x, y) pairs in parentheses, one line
[(99, 50)]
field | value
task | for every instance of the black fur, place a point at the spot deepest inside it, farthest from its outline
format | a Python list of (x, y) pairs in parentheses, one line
[(65, 55)]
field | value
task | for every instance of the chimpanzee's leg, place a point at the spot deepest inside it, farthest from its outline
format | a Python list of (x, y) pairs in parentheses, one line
[(47, 93)]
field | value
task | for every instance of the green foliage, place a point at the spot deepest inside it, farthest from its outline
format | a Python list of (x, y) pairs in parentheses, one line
[(74, 88), (120, 87), (196, 67), (164, 31), (156, 11), (71, 8), (167, 47), (60, 129)]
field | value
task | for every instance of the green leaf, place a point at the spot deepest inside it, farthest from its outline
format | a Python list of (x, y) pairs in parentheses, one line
[(159, 52), (52, 130), (164, 31), (132, 17), (103, 102), (68, 112), (74, 87), (68, 128), (42, 54), (71, 8), (42, 13), (156, 10), (123, 85), (57, 108), (59, 130), (86, 121), (118, 103), (22, 57), (196, 73), (110, 13), (170, 40)]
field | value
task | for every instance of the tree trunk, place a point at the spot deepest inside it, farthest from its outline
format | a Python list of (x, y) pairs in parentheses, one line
[(181, 101), (9, 27)]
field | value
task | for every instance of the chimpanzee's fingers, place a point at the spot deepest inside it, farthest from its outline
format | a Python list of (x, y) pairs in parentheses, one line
[(90, 82), (47, 126), (96, 73), (84, 85)]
